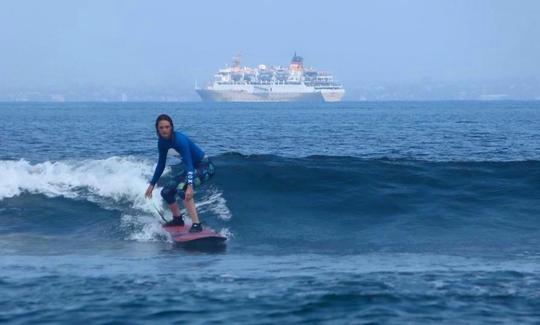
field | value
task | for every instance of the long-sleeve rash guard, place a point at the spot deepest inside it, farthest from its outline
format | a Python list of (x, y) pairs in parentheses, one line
[(190, 152)]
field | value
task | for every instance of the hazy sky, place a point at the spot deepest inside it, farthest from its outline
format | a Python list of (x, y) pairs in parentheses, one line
[(175, 43)]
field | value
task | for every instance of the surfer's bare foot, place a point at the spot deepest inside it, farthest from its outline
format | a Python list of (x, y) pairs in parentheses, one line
[(196, 227)]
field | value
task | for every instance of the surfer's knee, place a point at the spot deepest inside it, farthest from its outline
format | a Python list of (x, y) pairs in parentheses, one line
[(167, 193)]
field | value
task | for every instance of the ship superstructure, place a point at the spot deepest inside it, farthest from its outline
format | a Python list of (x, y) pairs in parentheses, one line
[(272, 83)]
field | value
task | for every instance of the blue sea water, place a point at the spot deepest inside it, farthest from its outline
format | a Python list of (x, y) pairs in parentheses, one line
[(353, 213)]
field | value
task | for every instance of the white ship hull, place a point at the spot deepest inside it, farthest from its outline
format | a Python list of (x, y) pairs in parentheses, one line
[(269, 93), (209, 95)]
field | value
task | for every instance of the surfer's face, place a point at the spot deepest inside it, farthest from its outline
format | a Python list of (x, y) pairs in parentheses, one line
[(164, 129)]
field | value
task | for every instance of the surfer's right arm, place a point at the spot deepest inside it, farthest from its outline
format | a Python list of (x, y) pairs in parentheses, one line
[(159, 168)]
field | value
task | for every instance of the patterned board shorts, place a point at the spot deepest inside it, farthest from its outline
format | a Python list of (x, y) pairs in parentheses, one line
[(203, 172)]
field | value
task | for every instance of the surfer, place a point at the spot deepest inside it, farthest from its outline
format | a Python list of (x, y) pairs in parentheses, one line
[(198, 168)]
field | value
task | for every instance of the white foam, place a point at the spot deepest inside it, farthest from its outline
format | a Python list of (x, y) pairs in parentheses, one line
[(143, 228), (226, 233), (215, 203), (117, 178)]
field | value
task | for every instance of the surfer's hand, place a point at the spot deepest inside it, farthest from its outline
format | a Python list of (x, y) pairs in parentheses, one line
[(148, 193), (189, 192)]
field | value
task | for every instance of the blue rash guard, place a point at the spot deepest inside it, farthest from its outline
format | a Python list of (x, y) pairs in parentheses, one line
[(190, 152)]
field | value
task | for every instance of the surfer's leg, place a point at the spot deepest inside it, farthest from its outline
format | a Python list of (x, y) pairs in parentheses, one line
[(203, 173), (175, 209), (192, 210), (188, 204), (168, 193)]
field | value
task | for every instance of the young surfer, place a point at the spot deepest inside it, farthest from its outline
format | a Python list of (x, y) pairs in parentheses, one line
[(198, 168)]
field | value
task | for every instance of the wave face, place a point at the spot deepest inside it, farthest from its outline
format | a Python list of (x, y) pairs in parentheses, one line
[(317, 204), (345, 204)]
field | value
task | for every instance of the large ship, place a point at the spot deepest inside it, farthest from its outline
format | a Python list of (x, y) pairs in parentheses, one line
[(272, 84)]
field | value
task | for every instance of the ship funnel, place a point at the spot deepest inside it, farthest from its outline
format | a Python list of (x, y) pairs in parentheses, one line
[(297, 63)]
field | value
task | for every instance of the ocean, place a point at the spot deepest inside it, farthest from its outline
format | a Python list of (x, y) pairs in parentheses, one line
[(336, 213)]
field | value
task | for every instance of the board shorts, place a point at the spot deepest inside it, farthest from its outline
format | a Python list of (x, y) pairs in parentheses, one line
[(204, 170)]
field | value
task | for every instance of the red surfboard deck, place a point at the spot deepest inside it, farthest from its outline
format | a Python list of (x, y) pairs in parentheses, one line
[(182, 235)]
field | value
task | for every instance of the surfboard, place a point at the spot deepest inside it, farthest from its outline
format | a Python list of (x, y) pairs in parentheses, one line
[(206, 238)]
